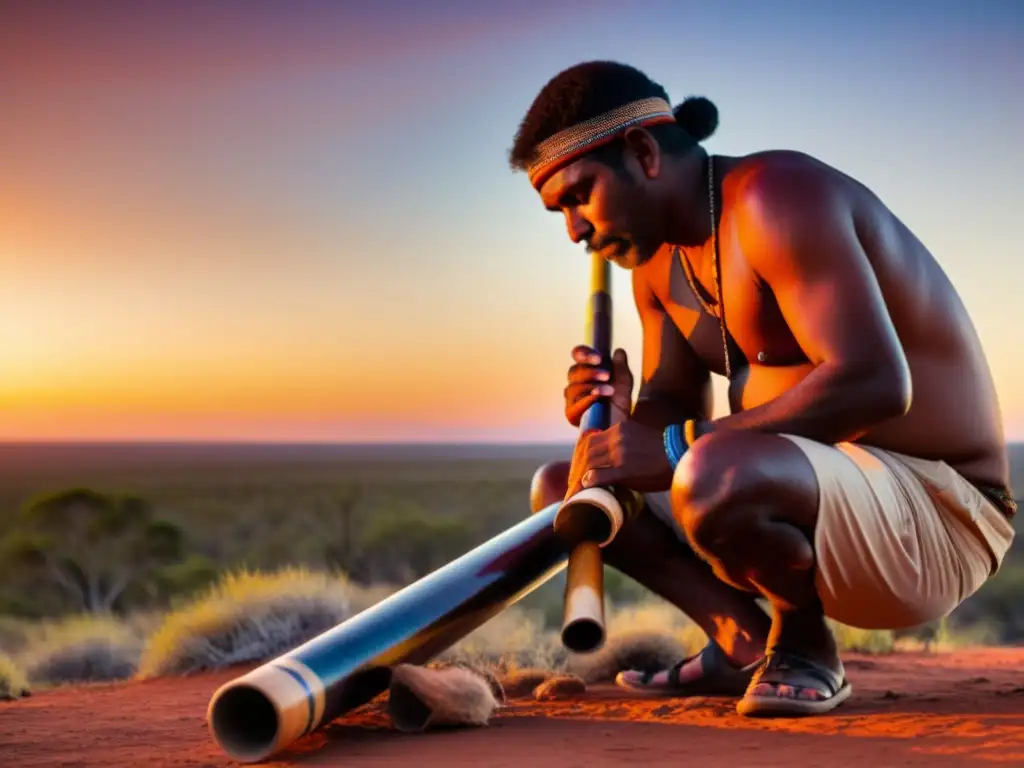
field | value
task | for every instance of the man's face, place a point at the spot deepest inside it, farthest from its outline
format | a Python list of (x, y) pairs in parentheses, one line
[(609, 208)]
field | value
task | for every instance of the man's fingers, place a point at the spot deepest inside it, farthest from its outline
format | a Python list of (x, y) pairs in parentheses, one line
[(575, 393), (574, 412), (601, 476), (581, 353), (620, 366), (588, 370), (587, 383), (592, 451), (577, 466), (582, 372), (597, 453)]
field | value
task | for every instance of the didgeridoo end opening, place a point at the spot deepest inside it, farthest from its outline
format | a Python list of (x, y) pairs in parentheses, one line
[(245, 723), (583, 617), (583, 636)]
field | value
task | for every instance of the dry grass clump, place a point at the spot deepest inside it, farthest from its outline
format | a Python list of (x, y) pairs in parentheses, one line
[(247, 616), (514, 639), (366, 596), (80, 649), (13, 682)]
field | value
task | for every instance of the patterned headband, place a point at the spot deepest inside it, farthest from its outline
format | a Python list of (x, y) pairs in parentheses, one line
[(567, 145)]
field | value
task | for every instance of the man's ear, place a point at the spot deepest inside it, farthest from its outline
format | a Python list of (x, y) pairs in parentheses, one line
[(645, 150)]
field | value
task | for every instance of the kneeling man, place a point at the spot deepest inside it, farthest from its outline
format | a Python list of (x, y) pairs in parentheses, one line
[(862, 473)]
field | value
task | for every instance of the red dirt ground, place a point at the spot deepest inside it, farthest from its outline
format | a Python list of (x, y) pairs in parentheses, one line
[(964, 708)]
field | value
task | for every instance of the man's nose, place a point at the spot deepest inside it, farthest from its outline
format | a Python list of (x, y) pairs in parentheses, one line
[(579, 228)]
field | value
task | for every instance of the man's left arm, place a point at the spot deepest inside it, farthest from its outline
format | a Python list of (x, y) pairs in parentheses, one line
[(798, 233)]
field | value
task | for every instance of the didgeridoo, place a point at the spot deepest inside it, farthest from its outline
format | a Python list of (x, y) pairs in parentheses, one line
[(591, 518), (262, 712)]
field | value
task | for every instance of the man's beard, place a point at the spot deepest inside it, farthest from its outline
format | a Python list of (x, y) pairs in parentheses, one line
[(637, 254), (608, 247)]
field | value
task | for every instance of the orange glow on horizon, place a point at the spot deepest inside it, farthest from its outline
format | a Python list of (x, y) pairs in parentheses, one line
[(283, 224)]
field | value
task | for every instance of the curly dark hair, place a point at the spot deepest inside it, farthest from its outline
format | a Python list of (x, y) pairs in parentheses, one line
[(592, 88)]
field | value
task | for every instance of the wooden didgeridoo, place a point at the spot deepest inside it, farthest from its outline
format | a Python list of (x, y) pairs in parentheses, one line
[(591, 518)]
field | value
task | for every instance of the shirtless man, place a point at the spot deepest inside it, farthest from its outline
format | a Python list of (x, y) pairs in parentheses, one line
[(862, 473)]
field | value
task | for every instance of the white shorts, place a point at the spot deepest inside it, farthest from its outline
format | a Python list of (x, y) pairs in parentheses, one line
[(899, 542)]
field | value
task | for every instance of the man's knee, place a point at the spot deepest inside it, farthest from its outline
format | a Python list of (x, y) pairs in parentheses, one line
[(549, 484), (707, 485), (729, 480)]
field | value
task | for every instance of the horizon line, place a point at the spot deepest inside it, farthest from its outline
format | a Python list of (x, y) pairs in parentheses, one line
[(269, 441), (292, 442)]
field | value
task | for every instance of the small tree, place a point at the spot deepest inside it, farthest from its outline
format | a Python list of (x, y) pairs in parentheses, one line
[(90, 546)]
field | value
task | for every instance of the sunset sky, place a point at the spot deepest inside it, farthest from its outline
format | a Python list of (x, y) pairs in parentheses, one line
[(296, 220)]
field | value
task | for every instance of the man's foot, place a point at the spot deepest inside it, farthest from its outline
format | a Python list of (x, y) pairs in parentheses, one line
[(787, 684), (708, 673)]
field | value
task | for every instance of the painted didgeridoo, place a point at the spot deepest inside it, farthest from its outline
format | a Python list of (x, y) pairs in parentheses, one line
[(591, 518), (261, 713)]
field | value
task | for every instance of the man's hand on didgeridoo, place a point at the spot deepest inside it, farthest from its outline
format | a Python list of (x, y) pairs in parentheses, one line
[(627, 454), (588, 383)]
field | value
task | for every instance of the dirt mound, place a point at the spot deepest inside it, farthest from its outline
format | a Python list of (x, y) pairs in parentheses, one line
[(963, 708)]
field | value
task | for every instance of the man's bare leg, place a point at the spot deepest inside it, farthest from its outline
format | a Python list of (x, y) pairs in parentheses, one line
[(651, 553), (748, 502)]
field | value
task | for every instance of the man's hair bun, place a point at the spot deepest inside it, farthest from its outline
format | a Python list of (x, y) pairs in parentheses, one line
[(698, 116)]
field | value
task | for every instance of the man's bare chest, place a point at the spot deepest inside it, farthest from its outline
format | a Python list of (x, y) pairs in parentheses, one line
[(756, 331)]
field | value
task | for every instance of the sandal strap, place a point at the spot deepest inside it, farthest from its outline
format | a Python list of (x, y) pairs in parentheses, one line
[(711, 658), (673, 672), (782, 661)]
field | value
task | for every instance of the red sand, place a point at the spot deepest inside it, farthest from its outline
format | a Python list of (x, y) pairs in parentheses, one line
[(964, 708)]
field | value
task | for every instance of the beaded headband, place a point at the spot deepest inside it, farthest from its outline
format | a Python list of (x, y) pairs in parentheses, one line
[(567, 145)]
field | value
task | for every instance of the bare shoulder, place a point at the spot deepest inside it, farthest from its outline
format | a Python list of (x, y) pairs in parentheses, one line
[(787, 205), (767, 185), (780, 164)]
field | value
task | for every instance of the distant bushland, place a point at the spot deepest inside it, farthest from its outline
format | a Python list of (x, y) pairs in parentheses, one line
[(170, 521)]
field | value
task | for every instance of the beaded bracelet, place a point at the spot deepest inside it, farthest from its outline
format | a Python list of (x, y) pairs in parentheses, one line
[(677, 439)]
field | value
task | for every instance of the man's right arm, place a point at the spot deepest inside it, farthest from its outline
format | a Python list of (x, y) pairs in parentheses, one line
[(675, 385)]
